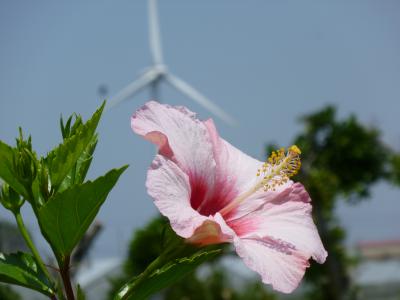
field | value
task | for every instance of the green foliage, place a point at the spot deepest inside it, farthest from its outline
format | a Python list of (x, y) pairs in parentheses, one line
[(166, 260), (65, 218), (152, 236), (22, 269), (156, 236), (352, 154), (80, 295), (253, 290), (217, 286), (10, 241), (395, 170), (62, 161), (162, 277), (79, 171), (63, 203)]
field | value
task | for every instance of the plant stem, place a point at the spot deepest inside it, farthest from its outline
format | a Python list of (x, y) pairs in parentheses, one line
[(30, 244), (65, 275)]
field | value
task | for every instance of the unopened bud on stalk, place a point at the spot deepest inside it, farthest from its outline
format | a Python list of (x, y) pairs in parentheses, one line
[(10, 199), (24, 161)]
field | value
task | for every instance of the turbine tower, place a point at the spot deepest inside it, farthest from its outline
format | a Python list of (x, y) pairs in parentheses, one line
[(158, 72)]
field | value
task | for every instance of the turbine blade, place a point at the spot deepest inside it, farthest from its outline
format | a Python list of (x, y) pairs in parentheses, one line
[(133, 88), (154, 33), (192, 93)]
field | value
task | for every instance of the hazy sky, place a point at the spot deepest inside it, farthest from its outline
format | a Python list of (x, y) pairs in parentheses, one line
[(265, 62)]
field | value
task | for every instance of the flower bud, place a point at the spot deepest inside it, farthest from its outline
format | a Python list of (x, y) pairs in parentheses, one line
[(24, 161), (10, 199)]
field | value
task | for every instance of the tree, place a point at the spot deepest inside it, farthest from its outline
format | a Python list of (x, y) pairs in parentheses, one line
[(395, 170), (341, 159)]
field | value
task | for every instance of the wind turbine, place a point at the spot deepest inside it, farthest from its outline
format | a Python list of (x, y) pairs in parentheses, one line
[(158, 72)]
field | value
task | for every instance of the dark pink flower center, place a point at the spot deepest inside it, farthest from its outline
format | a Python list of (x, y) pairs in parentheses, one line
[(199, 191), (210, 200)]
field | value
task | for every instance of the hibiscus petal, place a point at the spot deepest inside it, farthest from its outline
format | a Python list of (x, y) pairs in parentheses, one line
[(182, 138), (235, 172), (169, 186), (278, 264), (257, 200), (286, 217), (232, 164), (177, 133)]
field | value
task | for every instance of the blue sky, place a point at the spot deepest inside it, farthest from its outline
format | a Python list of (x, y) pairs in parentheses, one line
[(265, 62)]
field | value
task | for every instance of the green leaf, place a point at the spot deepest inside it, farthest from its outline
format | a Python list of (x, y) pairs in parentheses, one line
[(66, 216), (61, 160), (22, 269), (141, 288), (7, 172), (67, 130), (84, 161), (78, 173)]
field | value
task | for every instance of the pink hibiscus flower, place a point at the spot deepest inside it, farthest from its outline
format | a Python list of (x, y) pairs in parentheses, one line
[(213, 193)]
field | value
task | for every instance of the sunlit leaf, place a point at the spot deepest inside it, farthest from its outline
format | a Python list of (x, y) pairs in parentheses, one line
[(62, 159), (66, 216), (79, 170)]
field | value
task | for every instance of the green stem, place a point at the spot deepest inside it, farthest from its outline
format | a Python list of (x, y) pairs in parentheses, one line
[(30, 244)]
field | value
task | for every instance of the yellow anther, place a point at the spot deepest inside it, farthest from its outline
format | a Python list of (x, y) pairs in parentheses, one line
[(279, 167), (295, 149)]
